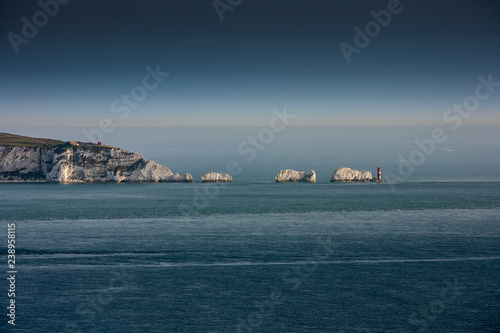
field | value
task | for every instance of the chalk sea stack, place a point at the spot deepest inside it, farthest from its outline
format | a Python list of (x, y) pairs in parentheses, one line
[(349, 175), (290, 175), (26, 159), (215, 177)]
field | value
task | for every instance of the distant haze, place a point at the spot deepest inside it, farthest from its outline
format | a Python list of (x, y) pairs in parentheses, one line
[(469, 153)]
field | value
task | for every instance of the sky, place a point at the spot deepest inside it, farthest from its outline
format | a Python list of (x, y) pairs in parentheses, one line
[(231, 62)]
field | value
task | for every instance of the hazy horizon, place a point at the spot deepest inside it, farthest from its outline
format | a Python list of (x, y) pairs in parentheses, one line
[(467, 153)]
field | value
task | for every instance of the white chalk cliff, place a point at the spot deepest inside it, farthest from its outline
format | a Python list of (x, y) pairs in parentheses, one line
[(349, 175), (215, 177), (78, 164), (290, 175)]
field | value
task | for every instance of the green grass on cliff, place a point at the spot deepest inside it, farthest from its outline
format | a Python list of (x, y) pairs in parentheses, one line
[(7, 139)]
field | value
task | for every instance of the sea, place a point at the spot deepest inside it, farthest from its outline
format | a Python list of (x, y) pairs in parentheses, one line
[(418, 253)]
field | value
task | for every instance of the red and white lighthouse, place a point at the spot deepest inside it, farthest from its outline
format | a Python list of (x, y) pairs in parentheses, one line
[(379, 171)]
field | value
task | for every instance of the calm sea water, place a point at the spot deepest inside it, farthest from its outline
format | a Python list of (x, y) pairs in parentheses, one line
[(254, 257)]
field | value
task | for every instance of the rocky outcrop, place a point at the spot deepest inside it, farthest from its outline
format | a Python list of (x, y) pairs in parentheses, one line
[(290, 175), (349, 175), (215, 177), (69, 163)]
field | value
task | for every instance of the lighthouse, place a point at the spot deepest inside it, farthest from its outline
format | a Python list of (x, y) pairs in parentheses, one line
[(379, 172)]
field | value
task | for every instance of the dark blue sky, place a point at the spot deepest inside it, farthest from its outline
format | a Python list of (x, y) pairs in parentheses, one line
[(263, 55)]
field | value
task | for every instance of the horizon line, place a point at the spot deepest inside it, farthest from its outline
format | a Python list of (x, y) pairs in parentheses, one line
[(491, 123)]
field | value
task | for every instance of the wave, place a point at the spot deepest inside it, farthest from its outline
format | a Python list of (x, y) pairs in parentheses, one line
[(309, 263), (333, 262), (208, 215)]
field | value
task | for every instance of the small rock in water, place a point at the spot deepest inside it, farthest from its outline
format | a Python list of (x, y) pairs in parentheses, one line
[(290, 175), (349, 175), (215, 177)]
